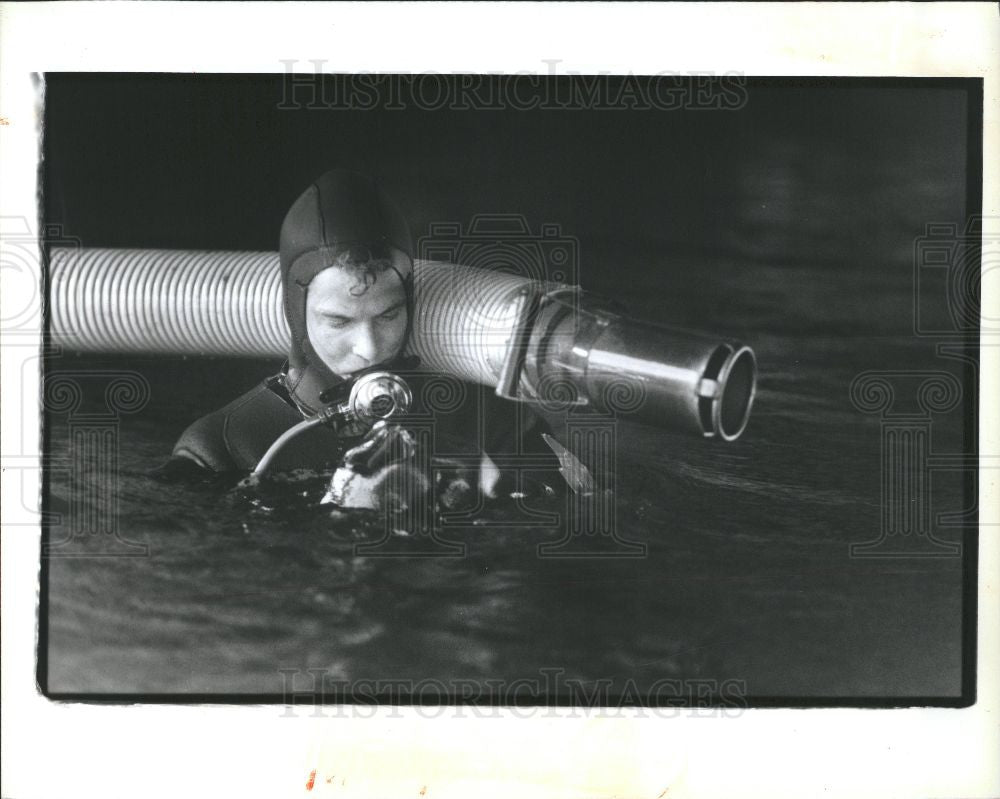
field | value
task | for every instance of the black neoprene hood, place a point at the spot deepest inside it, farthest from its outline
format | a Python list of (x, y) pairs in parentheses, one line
[(339, 210)]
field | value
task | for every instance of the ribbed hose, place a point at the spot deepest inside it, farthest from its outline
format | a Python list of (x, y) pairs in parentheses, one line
[(167, 301), (178, 302), (463, 319)]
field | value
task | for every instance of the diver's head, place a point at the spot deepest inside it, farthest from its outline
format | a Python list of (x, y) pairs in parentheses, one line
[(347, 270), (356, 312)]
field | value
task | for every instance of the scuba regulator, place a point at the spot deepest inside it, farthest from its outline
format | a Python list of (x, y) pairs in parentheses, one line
[(371, 397), (352, 407)]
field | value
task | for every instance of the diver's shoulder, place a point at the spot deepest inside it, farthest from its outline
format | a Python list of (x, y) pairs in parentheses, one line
[(230, 438), (204, 443)]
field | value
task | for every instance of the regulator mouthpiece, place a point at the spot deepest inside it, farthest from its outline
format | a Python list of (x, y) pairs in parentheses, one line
[(377, 396)]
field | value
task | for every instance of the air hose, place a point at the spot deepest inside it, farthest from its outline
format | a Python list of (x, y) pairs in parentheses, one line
[(544, 342), (279, 444)]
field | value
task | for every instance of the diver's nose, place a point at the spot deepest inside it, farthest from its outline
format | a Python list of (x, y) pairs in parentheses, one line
[(365, 346)]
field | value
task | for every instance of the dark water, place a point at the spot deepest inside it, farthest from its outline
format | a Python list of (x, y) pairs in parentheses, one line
[(802, 213), (747, 574)]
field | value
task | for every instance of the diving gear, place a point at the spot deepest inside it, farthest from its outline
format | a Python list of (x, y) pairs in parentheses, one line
[(380, 473), (462, 325), (374, 397), (580, 351)]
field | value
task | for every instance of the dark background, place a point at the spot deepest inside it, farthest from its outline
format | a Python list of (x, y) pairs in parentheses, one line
[(835, 169), (788, 222)]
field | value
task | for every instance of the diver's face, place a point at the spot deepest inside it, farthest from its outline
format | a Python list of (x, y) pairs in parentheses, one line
[(352, 327)]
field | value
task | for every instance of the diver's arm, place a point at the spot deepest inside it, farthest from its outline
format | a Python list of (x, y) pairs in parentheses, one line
[(200, 456), (203, 446), (182, 469)]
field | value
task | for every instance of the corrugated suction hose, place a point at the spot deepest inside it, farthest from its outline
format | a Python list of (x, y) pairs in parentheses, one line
[(533, 339), (194, 302)]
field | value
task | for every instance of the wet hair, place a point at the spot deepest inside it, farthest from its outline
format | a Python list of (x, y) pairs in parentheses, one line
[(364, 264)]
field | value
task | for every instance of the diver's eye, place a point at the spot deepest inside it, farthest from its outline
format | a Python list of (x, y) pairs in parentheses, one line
[(337, 322), (388, 316)]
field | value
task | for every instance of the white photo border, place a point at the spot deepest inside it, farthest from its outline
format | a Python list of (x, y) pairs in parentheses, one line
[(61, 749)]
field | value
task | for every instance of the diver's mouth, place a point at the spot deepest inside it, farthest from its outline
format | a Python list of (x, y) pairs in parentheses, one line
[(354, 374), (392, 363)]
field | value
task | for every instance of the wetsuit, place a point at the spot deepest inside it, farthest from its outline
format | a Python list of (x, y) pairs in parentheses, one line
[(462, 421)]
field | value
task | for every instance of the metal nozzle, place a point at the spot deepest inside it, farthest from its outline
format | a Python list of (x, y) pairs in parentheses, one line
[(581, 352)]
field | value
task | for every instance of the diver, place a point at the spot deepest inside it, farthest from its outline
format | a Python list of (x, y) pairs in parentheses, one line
[(346, 257)]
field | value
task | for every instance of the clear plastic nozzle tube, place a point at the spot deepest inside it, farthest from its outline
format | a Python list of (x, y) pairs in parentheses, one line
[(668, 377)]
